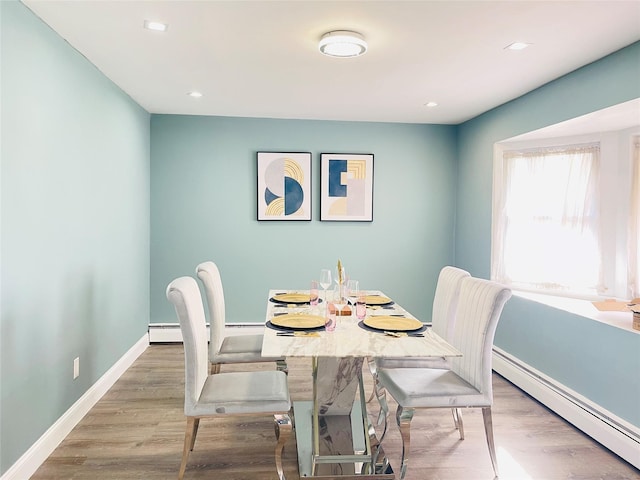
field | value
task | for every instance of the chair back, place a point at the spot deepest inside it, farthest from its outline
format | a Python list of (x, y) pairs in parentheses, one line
[(479, 308), (209, 275), (185, 296), (445, 300)]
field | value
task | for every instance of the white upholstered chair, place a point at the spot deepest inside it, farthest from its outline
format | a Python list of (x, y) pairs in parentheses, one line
[(237, 393), (245, 348), (443, 316), (468, 381)]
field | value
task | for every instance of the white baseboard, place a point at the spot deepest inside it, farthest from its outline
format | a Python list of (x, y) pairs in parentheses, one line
[(170, 332), (31, 460), (609, 430)]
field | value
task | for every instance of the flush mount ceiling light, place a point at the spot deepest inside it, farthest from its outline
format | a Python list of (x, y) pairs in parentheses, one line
[(195, 94), (342, 43)]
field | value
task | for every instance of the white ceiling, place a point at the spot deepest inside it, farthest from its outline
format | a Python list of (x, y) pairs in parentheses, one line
[(260, 58)]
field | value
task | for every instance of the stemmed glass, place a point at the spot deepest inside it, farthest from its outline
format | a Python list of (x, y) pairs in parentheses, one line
[(339, 300), (325, 281)]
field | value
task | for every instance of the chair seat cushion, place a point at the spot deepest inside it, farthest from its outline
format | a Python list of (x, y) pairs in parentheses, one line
[(429, 387), (412, 362), (241, 349), (243, 392)]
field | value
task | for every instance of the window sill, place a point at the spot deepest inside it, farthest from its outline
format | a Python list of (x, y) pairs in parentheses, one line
[(584, 308)]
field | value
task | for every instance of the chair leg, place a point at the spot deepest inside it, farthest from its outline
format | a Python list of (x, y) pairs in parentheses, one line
[(196, 424), (488, 430), (403, 418), (371, 363), (283, 427), (281, 366), (457, 420), (454, 413), (189, 439), (381, 395)]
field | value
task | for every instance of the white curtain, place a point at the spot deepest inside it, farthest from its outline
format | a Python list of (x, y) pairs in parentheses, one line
[(634, 225), (546, 220)]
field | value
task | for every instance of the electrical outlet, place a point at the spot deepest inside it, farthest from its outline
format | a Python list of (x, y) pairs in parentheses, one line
[(76, 367)]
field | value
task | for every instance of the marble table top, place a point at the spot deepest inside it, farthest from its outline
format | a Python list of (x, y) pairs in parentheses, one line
[(349, 339)]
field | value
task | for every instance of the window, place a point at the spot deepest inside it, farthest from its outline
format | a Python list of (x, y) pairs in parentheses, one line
[(561, 216), (634, 224)]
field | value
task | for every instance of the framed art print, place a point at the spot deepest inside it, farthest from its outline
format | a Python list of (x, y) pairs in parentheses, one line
[(346, 187), (284, 186)]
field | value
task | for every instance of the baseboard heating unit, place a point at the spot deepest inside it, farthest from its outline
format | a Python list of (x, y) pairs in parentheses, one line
[(170, 332), (609, 430)]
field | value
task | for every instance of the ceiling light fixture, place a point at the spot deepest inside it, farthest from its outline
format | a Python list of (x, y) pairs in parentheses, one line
[(342, 43), (517, 46), (431, 104), (157, 26), (195, 94)]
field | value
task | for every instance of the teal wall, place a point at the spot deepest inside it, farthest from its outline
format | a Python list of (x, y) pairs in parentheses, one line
[(74, 227), (596, 360), (203, 207), (102, 205)]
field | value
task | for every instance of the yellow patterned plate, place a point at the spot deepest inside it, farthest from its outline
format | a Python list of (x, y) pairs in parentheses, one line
[(291, 298), (377, 300), (393, 324), (298, 320)]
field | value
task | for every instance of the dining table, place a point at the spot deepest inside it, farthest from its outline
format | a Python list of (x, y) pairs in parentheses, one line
[(335, 437)]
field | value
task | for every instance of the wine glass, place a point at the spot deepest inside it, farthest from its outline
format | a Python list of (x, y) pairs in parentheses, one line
[(339, 299), (325, 281)]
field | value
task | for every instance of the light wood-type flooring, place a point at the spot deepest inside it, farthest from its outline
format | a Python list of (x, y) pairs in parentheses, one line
[(136, 431)]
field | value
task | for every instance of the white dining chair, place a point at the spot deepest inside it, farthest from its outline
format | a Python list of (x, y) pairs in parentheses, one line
[(467, 383), (443, 316), (241, 348), (234, 393)]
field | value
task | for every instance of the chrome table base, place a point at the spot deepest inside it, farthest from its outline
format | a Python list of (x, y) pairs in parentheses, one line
[(335, 438)]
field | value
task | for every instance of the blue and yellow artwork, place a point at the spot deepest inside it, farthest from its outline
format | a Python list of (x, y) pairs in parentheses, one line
[(346, 190), (284, 186), (347, 181)]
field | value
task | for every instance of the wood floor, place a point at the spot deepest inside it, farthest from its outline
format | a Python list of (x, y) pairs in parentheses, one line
[(137, 429)]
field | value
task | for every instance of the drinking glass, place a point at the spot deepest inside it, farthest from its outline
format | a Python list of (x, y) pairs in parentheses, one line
[(313, 293), (331, 312), (361, 306)]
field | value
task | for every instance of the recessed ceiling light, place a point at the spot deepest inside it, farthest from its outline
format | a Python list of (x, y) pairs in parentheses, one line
[(517, 46), (157, 26), (194, 94), (342, 43), (431, 104)]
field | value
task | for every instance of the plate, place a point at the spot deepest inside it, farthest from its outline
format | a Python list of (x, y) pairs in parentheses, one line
[(298, 321), (377, 300), (393, 324), (297, 298)]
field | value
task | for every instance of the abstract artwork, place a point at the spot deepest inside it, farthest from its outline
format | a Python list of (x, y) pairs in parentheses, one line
[(346, 187), (284, 186)]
